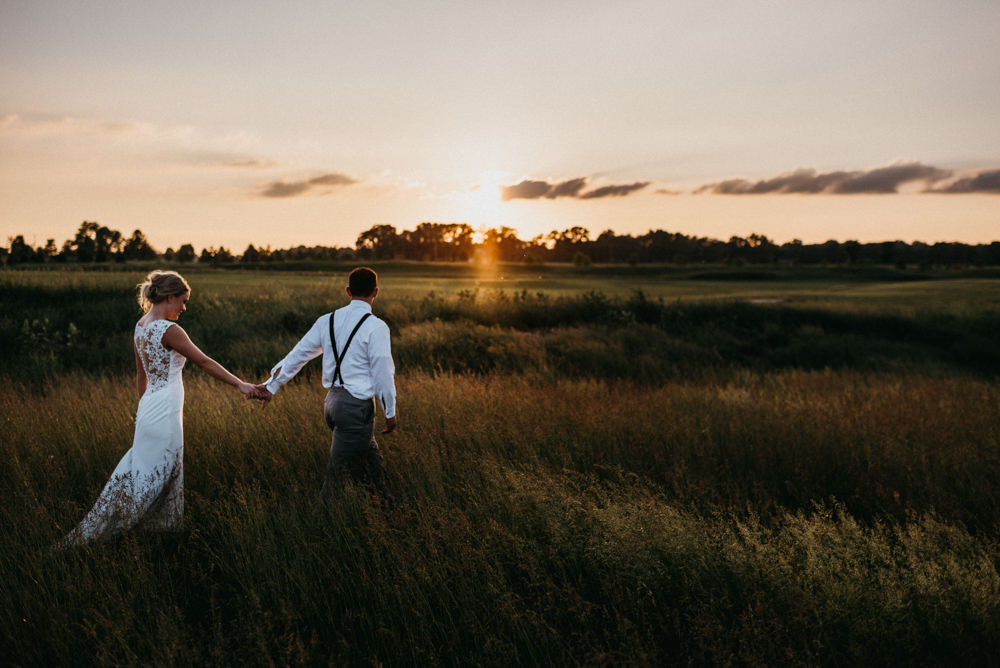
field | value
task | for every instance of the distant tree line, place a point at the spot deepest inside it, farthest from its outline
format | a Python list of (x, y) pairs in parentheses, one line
[(459, 242), (96, 243)]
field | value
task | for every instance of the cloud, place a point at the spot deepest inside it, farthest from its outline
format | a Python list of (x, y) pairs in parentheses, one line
[(282, 189), (278, 189), (250, 163), (984, 182), (569, 188), (882, 180), (332, 179), (529, 189), (887, 179), (116, 139), (525, 190), (615, 191)]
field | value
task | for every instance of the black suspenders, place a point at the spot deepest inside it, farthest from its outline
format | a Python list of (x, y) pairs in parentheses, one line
[(333, 342)]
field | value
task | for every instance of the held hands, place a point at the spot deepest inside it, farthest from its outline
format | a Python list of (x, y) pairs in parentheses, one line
[(263, 395), (259, 392)]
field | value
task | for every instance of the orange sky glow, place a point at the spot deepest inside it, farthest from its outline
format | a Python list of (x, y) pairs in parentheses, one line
[(228, 124)]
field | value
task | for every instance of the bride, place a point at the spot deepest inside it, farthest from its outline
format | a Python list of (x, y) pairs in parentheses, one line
[(148, 482)]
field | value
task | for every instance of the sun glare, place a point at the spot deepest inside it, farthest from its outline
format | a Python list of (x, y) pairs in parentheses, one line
[(481, 201)]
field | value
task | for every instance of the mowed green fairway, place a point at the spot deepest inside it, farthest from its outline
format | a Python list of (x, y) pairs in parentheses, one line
[(598, 466)]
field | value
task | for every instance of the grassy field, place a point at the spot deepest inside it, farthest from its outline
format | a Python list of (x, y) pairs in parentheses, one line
[(601, 468)]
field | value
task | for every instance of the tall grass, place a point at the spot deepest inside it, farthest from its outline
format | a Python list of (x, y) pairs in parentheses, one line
[(793, 518), (48, 327), (590, 475)]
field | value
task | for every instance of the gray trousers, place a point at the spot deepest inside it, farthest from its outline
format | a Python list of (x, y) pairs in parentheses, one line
[(354, 452)]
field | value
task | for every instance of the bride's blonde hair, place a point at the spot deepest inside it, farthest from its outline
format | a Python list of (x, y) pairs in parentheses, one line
[(159, 285)]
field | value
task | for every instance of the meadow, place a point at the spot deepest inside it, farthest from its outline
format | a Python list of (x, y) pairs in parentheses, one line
[(598, 466)]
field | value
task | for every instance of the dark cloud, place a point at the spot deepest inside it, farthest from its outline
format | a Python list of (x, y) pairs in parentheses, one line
[(536, 189), (332, 179), (297, 188), (984, 182), (888, 179), (569, 188), (809, 181), (799, 181), (615, 191), (525, 190), (282, 189)]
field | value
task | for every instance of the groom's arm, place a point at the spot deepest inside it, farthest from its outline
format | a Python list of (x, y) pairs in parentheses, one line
[(309, 347), (383, 371)]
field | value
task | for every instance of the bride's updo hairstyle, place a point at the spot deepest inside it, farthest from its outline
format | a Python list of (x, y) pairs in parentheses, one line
[(159, 285)]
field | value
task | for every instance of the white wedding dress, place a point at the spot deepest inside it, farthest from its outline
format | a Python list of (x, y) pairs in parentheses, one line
[(148, 483)]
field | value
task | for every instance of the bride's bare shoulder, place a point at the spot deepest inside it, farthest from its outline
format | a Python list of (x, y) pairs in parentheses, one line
[(172, 330)]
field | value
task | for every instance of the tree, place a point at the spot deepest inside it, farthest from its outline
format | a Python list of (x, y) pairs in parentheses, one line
[(95, 243), (832, 253), (83, 247), (424, 242), (378, 242), (791, 251), (457, 238), (761, 249), (185, 253), (568, 242), (223, 256), (20, 251), (853, 249), (107, 243), (250, 254), (137, 247), (502, 245), (535, 251), (576, 235), (49, 252)]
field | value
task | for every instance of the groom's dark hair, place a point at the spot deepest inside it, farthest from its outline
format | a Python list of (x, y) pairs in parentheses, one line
[(362, 282)]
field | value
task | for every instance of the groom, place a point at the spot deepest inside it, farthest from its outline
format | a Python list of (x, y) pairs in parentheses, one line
[(357, 367)]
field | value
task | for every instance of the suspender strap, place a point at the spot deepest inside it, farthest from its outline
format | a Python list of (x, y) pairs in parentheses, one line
[(333, 342)]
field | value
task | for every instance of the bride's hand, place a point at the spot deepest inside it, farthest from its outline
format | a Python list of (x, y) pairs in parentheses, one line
[(263, 394), (248, 389)]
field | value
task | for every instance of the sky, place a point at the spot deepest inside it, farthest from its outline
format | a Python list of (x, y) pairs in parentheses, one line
[(220, 122)]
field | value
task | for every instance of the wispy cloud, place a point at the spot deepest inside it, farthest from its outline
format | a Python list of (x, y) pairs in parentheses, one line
[(888, 179), (569, 188), (252, 163), (983, 182), (119, 140), (46, 124), (318, 185), (525, 190), (884, 180), (615, 191), (529, 189)]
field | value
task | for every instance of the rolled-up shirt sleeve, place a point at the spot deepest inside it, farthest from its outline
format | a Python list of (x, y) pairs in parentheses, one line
[(309, 347), (383, 369)]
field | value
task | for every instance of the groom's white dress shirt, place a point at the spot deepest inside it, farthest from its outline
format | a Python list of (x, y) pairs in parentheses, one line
[(367, 367)]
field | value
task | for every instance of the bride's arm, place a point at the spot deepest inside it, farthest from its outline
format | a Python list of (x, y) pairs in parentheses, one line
[(140, 374), (177, 339)]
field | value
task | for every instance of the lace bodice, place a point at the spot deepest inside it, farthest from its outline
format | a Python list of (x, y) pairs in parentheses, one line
[(162, 366)]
